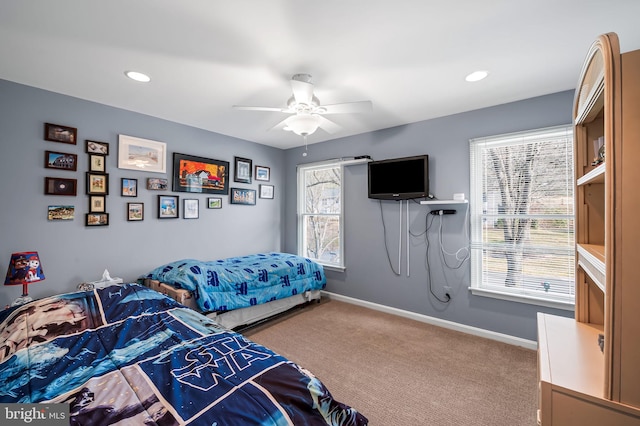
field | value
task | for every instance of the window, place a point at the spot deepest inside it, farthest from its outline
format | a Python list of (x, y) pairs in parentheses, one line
[(320, 218), (522, 217)]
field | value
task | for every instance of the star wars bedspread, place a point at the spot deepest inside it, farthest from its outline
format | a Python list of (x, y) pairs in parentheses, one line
[(239, 282), (128, 355)]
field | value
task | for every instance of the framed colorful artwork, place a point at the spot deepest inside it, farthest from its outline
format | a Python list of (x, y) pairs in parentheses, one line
[(168, 207), (135, 212), (214, 203), (243, 196), (61, 212), (129, 187), (97, 163), (97, 204), (263, 173), (199, 174), (97, 183), (60, 161), (95, 147), (97, 219)]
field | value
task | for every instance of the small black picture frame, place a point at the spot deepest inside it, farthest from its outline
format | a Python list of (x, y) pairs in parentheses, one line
[(242, 170), (96, 147), (62, 134), (129, 187), (60, 186), (243, 196), (135, 212), (168, 206), (97, 219), (60, 161)]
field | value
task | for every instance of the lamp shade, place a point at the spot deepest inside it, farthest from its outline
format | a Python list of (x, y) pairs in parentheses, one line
[(303, 124), (24, 268)]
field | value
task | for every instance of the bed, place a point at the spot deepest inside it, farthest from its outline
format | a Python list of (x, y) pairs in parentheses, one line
[(240, 291), (128, 354)]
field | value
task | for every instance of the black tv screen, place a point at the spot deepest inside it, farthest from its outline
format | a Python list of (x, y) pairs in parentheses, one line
[(399, 178)]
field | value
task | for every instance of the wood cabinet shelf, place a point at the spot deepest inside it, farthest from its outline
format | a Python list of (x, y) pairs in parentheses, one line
[(580, 383)]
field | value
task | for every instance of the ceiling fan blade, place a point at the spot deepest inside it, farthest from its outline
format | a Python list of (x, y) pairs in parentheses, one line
[(280, 125), (328, 125), (259, 108), (348, 107), (302, 91)]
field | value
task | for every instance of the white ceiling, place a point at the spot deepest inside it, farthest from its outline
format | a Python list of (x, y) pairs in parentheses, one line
[(409, 57)]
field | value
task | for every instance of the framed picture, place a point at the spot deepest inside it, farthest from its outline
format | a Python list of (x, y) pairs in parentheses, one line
[(57, 133), (198, 174), (97, 183), (243, 196), (60, 160), (60, 186), (191, 208), (168, 207), (135, 212), (97, 163), (263, 173), (242, 170), (97, 204), (61, 212), (97, 219), (157, 184), (266, 191), (95, 147), (129, 187), (141, 154), (214, 203)]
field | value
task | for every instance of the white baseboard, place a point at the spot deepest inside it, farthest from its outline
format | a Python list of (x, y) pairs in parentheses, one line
[(500, 337)]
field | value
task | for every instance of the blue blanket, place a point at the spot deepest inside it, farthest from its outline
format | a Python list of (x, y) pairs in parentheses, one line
[(239, 282), (129, 354)]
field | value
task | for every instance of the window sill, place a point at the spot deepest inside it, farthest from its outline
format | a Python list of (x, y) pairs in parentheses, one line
[(335, 268), (567, 306)]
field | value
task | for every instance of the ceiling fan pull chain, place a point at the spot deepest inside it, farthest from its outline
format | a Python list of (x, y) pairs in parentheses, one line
[(304, 154)]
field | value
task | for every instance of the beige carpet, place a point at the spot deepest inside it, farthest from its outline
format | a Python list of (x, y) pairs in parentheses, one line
[(398, 372)]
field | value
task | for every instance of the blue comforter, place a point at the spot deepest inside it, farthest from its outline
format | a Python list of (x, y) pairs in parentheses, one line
[(132, 355), (239, 282)]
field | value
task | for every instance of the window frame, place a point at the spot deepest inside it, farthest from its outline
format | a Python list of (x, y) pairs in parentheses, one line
[(302, 215), (477, 175)]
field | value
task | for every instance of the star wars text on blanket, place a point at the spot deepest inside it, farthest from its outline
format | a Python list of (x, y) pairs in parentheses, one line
[(240, 282), (131, 355)]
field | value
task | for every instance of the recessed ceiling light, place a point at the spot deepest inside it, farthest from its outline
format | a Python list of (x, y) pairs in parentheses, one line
[(138, 76), (476, 76)]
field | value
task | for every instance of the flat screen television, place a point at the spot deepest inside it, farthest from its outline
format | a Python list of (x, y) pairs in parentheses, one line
[(399, 178)]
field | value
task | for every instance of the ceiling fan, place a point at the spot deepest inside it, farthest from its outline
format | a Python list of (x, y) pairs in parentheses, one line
[(307, 112)]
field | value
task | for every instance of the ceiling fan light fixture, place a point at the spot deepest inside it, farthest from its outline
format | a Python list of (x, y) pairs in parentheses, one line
[(303, 124)]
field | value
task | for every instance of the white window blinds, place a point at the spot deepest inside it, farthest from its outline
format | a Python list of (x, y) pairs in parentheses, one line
[(522, 214)]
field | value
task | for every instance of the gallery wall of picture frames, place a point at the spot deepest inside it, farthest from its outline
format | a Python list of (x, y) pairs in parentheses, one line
[(191, 174)]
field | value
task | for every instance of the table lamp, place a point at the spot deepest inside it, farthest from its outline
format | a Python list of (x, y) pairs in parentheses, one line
[(24, 268)]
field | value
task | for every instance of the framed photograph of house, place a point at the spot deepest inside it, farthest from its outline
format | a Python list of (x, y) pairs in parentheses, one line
[(97, 163), (199, 174), (97, 219), (191, 208), (95, 147), (97, 183), (141, 154), (263, 173), (60, 186), (129, 187), (243, 196), (60, 161), (168, 207), (58, 133), (97, 204), (242, 170), (61, 212), (266, 191), (214, 203), (135, 212), (157, 184)]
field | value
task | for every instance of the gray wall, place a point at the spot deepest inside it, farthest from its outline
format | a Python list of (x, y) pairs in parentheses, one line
[(71, 252), (446, 140)]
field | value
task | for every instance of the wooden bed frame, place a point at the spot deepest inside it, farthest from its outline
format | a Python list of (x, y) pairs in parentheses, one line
[(236, 318)]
